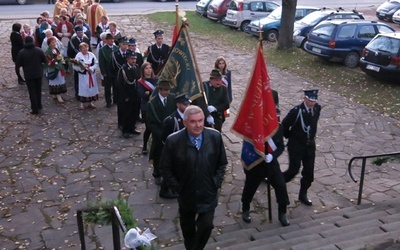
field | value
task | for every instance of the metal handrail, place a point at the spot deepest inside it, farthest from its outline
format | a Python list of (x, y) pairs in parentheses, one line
[(364, 160)]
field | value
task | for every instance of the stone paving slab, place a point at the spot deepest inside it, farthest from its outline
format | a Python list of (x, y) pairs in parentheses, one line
[(52, 164)]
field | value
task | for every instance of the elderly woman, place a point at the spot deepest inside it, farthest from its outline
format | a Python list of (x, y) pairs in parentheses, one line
[(59, 45), (64, 30), (27, 31), (86, 64), (17, 44), (55, 65)]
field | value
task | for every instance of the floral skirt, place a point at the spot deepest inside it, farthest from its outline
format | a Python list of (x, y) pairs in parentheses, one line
[(88, 98), (57, 86)]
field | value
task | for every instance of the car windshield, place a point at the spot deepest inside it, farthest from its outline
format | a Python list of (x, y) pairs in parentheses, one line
[(312, 18), (324, 29), (394, 1), (386, 44), (276, 14)]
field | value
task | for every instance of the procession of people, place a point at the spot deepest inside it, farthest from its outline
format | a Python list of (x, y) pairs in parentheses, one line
[(187, 150)]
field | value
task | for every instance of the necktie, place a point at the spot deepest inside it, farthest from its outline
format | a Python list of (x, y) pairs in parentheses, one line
[(196, 142), (123, 54), (165, 101)]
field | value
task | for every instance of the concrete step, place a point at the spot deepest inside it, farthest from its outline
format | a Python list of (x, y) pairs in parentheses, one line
[(362, 241)]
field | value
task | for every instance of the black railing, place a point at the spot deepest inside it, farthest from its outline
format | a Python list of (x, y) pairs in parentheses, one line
[(116, 224), (364, 161)]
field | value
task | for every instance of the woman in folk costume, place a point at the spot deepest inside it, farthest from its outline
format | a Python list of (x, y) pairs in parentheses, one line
[(85, 64), (114, 31), (101, 27), (55, 70), (220, 64), (27, 31), (147, 83), (94, 14)]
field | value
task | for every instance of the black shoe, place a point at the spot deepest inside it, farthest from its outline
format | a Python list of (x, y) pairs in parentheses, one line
[(284, 221), (108, 105), (21, 82), (34, 112), (157, 181), (304, 199), (246, 216), (136, 132), (144, 151), (126, 135), (168, 194)]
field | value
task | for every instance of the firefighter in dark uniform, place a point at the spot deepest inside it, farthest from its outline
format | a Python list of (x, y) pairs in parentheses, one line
[(269, 168), (133, 46), (127, 78), (300, 127), (158, 52), (217, 97), (158, 108), (171, 124)]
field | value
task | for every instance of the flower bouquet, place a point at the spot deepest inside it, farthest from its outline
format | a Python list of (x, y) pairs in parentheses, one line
[(54, 65), (79, 63), (145, 53)]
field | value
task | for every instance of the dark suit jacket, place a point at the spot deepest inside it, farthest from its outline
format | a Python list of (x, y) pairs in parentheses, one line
[(171, 124), (195, 174), (73, 45), (105, 61), (157, 56)]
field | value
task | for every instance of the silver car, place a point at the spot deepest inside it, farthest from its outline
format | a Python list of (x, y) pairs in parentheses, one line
[(241, 12)]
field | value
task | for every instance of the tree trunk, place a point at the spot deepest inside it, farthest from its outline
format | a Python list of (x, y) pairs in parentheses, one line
[(285, 39)]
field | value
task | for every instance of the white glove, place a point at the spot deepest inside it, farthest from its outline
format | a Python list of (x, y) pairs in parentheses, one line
[(210, 120), (268, 158), (211, 109)]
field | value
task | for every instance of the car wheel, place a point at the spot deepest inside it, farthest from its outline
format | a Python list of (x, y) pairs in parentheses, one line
[(21, 2), (351, 60), (244, 26), (303, 44), (272, 35), (163, 1)]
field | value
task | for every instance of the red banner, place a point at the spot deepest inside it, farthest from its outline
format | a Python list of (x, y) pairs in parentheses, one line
[(257, 120)]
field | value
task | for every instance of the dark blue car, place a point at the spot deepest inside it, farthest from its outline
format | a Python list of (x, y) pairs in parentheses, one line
[(306, 24), (343, 40)]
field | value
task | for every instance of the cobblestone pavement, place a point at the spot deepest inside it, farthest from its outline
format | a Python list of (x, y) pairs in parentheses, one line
[(52, 164)]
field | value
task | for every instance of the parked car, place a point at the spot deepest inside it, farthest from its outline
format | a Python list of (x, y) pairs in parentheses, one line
[(241, 12), (386, 10), (20, 2), (381, 57), (270, 24), (217, 9), (307, 23), (202, 6), (343, 40), (396, 17)]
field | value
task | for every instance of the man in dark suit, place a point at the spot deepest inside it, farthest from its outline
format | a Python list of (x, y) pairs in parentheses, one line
[(158, 108), (300, 127), (158, 52), (32, 59), (193, 162), (118, 59), (73, 49), (217, 97), (107, 69)]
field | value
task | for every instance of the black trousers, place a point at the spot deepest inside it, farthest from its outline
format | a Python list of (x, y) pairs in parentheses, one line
[(76, 83), (256, 175), (301, 153), (109, 83), (196, 230), (35, 93), (127, 115)]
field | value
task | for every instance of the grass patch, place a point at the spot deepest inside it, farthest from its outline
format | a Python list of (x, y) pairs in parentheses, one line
[(352, 83)]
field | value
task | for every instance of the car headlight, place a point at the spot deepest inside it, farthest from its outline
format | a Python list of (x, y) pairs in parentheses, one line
[(390, 12), (296, 32)]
